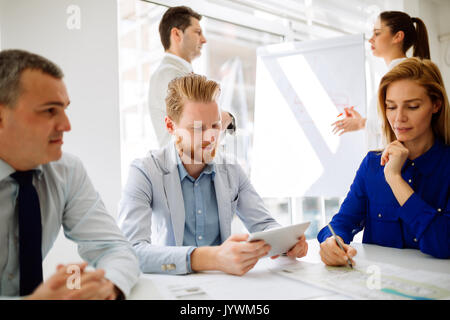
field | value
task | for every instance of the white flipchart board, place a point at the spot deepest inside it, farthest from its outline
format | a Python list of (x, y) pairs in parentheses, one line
[(301, 87)]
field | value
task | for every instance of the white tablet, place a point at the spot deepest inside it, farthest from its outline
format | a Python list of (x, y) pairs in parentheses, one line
[(280, 239)]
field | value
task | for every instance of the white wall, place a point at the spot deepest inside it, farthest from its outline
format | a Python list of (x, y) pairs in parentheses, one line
[(434, 14), (89, 59), (427, 11), (444, 32)]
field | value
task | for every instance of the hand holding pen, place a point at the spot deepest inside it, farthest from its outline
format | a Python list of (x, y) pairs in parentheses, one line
[(334, 252)]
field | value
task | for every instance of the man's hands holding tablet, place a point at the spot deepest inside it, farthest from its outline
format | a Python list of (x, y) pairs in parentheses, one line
[(289, 239), (234, 256), (298, 251), (238, 256), (240, 252)]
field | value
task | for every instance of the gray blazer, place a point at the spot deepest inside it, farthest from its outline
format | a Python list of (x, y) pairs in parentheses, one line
[(169, 69), (152, 214)]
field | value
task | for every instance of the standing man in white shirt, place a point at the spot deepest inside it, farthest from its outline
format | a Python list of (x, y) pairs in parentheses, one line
[(42, 189), (182, 39)]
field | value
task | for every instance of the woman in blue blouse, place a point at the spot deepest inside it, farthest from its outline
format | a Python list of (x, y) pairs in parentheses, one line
[(400, 195)]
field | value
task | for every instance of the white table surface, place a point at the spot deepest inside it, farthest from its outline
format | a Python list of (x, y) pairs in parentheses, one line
[(260, 283)]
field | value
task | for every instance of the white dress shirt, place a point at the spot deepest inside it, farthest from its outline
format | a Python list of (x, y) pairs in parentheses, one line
[(374, 135), (170, 68)]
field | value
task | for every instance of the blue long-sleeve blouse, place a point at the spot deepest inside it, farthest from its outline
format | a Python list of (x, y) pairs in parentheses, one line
[(423, 222)]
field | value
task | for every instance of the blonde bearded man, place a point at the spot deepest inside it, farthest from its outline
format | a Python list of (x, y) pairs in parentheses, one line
[(179, 201)]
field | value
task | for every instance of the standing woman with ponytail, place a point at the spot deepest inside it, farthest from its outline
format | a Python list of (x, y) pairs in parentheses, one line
[(394, 33)]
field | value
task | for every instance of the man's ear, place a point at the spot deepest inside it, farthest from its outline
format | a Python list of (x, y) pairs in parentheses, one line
[(170, 125), (175, 35)]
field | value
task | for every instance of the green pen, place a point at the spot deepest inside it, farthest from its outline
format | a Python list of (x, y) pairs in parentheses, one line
[(340, 245)]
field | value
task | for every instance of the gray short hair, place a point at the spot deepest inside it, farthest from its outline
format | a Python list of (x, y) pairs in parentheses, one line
[(12, 64)]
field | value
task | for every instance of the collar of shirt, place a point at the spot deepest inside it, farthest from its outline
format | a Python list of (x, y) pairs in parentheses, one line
[(394, 63), (210, 168), (428, 161), (6, 170), (181, 60)]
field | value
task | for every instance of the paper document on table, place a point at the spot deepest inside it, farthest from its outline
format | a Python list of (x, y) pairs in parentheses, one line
[(181, 288), (223, 287), (372, 280), (258, 284)]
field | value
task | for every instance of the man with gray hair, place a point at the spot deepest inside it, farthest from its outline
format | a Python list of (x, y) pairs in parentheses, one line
[(42, 189)]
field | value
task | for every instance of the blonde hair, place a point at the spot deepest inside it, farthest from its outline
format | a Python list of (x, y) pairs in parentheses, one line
[(192, 87), (426, 74)]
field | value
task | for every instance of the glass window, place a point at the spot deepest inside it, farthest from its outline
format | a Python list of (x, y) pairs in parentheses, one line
[(229, 57)]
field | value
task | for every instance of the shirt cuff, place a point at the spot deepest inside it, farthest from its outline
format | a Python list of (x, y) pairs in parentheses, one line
[(325, 233), (416, 214), (188, 259), (122, 282)]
